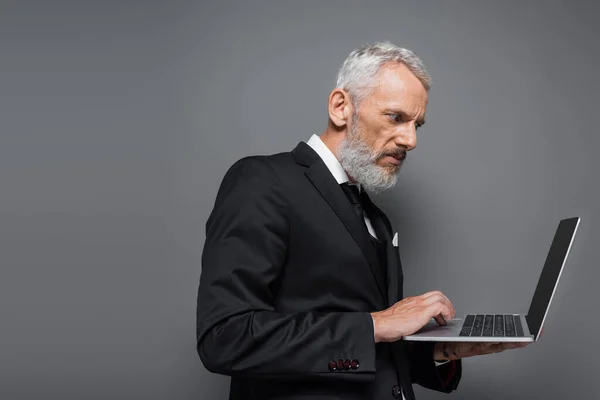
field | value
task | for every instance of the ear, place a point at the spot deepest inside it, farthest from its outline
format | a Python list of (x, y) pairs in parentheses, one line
[(340, 108)]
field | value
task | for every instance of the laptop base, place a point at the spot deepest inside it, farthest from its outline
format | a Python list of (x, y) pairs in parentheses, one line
[(451, 332)]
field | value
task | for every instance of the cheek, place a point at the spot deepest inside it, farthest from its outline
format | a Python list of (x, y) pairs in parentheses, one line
[(378, 137), (385, 141)]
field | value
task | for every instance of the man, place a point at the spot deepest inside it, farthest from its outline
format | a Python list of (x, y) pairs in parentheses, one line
[(300, 295)]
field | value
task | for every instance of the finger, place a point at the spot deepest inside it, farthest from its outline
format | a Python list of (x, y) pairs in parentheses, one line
[(495, 348), (440, 319), (509, 346), (515, 345), (456, 350), (435, 309), (432, 293), (467, 349), (481, 349), (464, 350), (432, 297), (437, 296), (476, 349), (441, 304), (450, 351)]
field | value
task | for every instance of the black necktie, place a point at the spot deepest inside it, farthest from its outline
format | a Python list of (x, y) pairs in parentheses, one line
[(357, 201), (353, 195)]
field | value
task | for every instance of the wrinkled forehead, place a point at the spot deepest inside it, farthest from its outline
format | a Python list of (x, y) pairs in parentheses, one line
[(396, 85)]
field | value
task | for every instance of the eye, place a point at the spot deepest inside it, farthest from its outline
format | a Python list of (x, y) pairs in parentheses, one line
[(395, 117), (418, 125)]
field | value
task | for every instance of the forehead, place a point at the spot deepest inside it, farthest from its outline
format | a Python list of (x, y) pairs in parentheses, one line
[(396, 85)]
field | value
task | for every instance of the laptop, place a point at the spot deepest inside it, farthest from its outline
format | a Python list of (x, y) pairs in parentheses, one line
[(510, 327)]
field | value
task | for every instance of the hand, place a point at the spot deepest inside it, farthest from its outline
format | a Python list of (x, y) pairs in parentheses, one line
[(411, 314), (445, 351)]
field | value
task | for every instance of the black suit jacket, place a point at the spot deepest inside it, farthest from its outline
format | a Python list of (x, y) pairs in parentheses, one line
[(289, 277)]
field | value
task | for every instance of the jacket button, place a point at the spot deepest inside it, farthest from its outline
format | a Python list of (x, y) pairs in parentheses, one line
[(347, 364), (396, 391), (340, 364), (332, 365), (354, 364)]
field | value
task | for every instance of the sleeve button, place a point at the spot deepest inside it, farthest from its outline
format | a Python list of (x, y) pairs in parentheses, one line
[(332, 366), (347, 364)]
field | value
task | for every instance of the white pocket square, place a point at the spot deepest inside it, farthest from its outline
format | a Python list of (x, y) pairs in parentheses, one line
[(395, 240)]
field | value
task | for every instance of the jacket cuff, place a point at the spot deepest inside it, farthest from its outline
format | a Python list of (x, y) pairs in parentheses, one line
[(442, 378)]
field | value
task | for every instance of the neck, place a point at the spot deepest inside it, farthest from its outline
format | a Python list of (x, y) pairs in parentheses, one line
[(332, 139)]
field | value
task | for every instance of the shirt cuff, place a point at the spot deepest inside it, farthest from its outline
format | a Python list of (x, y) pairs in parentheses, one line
[(373, 319)]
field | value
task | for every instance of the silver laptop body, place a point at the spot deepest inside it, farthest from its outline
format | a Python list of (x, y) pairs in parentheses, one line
[(510, 327)]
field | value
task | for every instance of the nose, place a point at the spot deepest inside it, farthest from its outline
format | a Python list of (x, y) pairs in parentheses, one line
[(407, 137)]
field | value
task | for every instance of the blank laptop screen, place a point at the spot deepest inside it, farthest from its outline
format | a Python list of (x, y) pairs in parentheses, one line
[(550, 274)]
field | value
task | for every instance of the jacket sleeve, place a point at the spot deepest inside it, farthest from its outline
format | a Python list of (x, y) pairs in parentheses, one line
[(423, 370), (239, 332)]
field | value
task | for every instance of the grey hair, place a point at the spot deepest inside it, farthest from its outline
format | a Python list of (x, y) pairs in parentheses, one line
[(357, 73)]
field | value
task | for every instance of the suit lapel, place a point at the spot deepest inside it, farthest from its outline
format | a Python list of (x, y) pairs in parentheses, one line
[(394, 269), (322, 179), (325, 183)]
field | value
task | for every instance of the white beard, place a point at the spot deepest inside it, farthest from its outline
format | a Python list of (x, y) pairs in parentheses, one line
[(359, 162)]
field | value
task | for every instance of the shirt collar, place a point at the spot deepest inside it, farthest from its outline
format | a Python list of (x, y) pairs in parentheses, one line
[(330, 160)]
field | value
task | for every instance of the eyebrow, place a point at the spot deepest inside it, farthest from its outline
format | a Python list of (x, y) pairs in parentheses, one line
[(421, 122)]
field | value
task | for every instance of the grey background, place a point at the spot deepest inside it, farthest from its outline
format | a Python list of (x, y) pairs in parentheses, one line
[(119, 119)]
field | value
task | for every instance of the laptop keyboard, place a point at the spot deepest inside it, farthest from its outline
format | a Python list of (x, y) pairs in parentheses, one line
[(503, 325)]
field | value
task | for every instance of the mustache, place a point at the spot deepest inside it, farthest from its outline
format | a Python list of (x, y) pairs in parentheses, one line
[(398, 153)]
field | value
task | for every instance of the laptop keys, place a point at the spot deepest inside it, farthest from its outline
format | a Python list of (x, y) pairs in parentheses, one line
[(509, 326), (467, 325), (477, 325), (488, 325), (518, 326), (498, 325)]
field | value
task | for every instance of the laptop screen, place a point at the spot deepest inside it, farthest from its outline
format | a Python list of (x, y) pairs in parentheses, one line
[(546, 286)]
